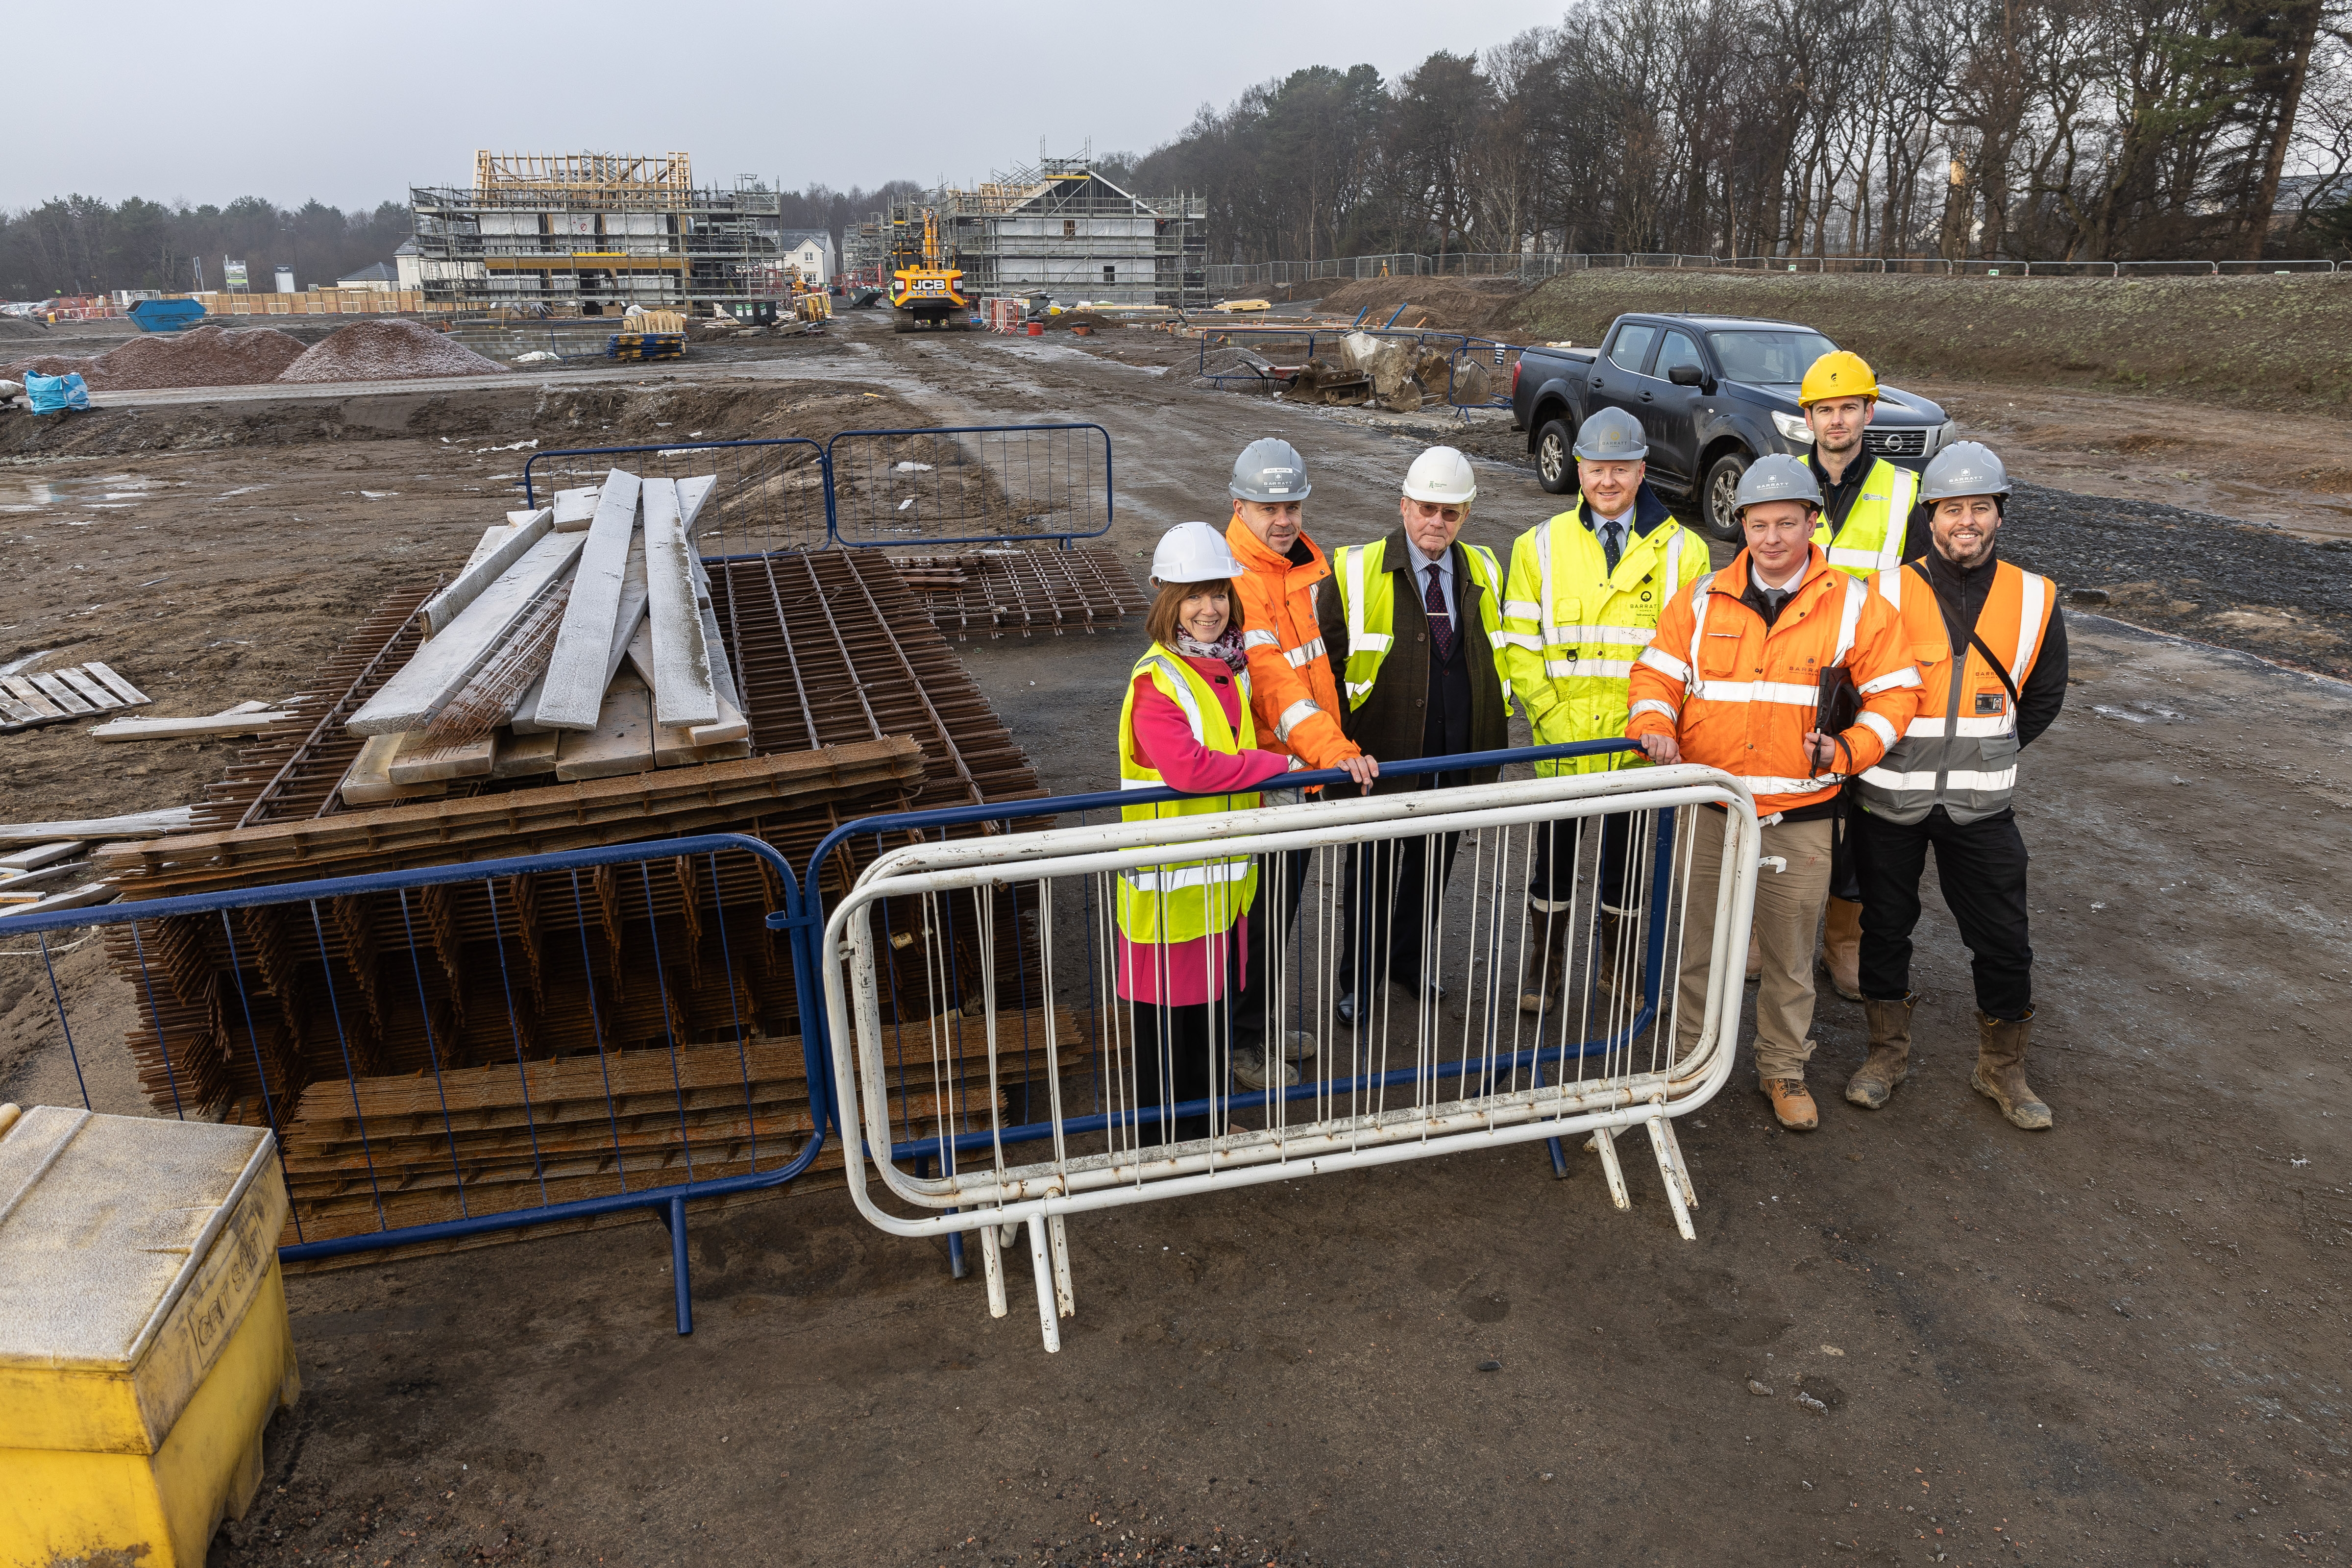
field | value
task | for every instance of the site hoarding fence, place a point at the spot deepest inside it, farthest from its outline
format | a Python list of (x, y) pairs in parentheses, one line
[(450, 1052), (1534, 265), (910, 490), (1421, 1023)]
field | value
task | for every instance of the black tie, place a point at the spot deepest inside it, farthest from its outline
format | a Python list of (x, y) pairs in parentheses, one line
[(1609, 542)]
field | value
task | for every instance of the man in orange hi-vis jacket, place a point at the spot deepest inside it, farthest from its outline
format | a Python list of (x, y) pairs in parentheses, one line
[(1732, 680), (1296, 700)]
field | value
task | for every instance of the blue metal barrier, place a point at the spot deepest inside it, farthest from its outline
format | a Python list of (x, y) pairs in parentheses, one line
[(772, 494), (667, 1200), (968, 484)]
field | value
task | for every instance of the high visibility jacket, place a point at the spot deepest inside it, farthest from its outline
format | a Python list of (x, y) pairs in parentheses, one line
[(1572, 628), (1871, 540), (1298, 701), (1368, 595), (1959, 749), (1184, 901), (1740, 695)]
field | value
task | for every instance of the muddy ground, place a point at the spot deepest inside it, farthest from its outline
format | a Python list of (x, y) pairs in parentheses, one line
[(2122, 1341)]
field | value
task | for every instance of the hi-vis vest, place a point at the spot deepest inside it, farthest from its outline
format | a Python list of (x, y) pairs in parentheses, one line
[(1184, 901), (1368, 595), (1960, 751), (1573, 629), (1871, 539)]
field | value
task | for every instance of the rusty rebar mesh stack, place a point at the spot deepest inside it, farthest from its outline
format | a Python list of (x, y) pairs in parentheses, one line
[(992, 592)]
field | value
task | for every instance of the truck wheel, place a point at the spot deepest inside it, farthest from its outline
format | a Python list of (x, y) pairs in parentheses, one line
[(1555, 468), (1715, 495)]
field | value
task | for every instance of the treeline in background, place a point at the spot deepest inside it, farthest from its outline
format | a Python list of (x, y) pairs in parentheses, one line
[(2086, 130)]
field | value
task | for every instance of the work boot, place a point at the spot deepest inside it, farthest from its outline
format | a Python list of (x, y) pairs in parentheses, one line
[(1792, 1103), (1841, 948), (1547, 971), (1250, 1069), (1608, 951), (2000, 1071), (1890, 1053)]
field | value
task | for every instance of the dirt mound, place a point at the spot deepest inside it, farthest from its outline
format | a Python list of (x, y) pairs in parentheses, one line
[(1445, 304), (387, 350), (204, 356), (18, 327), (2259, 342)]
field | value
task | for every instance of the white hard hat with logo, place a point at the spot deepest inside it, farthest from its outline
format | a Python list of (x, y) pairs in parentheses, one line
[(1193, 552), (1442, 477)]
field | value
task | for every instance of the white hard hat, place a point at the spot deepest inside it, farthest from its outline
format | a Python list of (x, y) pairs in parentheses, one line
[(1441, 476), (1193, 552)]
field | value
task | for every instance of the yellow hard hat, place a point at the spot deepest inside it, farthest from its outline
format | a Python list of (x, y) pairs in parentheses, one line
[(1841, 372)]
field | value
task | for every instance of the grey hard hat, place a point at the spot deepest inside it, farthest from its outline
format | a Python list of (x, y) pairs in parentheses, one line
[(1270, 470), (1776, 477), (1964, 469), (1612, 435)]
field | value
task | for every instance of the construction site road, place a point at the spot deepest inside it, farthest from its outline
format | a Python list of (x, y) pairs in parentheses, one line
[(2120, 1341)]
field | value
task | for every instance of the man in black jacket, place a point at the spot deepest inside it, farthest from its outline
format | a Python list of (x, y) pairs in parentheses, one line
[(1414, 629)]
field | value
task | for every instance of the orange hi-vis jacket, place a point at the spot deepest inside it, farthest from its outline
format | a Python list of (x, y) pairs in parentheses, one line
[(1292, 690), (1739, 696)]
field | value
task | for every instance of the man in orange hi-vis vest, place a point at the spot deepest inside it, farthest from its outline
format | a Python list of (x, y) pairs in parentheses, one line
[(1295, 699), (1732, 680)]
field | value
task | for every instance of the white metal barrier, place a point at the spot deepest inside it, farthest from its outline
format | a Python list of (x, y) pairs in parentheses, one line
[(1040, 1094)]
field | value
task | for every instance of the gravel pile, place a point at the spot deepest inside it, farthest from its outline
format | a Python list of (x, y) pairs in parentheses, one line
[(18, 327), (203, 357), (386, 350)]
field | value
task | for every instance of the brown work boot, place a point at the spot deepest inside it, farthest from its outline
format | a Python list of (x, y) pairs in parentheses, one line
[(1890, 1053), (1792, 1103), (1841, 948), (2000, 1071), (1548, 959)]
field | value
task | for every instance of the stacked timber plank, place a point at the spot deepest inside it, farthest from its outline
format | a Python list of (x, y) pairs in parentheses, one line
[(578, 643), (401, 1150)]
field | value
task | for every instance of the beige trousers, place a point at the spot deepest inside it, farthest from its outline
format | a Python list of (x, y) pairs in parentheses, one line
[(1788, 904)]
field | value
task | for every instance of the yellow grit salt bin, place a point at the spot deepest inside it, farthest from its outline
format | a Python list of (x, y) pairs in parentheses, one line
[(143, 1341)]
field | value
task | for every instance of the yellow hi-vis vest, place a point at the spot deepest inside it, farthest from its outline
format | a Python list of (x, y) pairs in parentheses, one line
[(1368, 595), (1871, 539), (1572, 628), (1184, 901)]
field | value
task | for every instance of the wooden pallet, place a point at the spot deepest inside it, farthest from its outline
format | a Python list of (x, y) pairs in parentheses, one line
[(59, 696)]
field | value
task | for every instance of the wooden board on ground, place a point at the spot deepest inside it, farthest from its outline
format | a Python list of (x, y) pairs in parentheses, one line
[(439, 670), (251, 719), (572, 693), (158, 824), (684, 693), (40, 855), (622, 741)]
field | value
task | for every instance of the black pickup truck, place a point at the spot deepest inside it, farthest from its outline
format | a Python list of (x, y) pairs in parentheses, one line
[(1713, 394)]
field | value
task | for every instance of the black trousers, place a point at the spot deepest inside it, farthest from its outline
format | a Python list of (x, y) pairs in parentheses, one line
[(1273, 921), (1555, 845), (1392, 909), (1174, 1058), (1981, 867)]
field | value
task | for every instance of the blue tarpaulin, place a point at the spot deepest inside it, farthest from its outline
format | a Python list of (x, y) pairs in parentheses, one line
[(55, 393)]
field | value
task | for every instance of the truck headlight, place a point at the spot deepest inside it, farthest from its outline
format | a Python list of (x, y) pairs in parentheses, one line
[(1793, 428), (1946, 433)]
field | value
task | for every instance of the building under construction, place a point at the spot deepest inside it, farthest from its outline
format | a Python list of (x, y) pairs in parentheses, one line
[(595, 233), (1063, 230)]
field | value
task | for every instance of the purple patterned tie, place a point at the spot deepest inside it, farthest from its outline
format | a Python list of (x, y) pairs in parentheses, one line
[(1441, 625)]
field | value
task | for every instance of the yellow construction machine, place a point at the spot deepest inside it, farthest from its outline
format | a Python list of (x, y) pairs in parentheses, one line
[(926, 284)]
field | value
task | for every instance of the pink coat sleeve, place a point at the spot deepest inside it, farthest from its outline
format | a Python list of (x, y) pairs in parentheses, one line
[(1164, 744)]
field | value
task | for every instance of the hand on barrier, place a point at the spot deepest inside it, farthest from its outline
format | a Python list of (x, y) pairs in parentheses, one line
[(1661, 747), (1363, 770)]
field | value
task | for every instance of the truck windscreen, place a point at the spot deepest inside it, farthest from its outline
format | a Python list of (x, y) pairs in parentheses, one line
[(1767, 357)]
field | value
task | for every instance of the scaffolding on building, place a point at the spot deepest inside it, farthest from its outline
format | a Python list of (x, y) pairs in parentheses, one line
[(596, 233), (1062, 228)]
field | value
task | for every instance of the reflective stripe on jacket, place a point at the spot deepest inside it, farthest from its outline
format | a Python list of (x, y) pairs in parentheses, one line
[(1871, 540), (1960, 751), (1368, 593), (1298, 701), (1740, 695), (1182, 901), (1572, 628)]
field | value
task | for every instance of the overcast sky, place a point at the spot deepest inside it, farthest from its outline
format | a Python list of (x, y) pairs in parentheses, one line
[(352, 104)]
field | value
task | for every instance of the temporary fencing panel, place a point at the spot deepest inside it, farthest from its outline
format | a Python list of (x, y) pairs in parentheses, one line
[(771, 494), (992, 1069), (980, 484), (469, 1049)]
